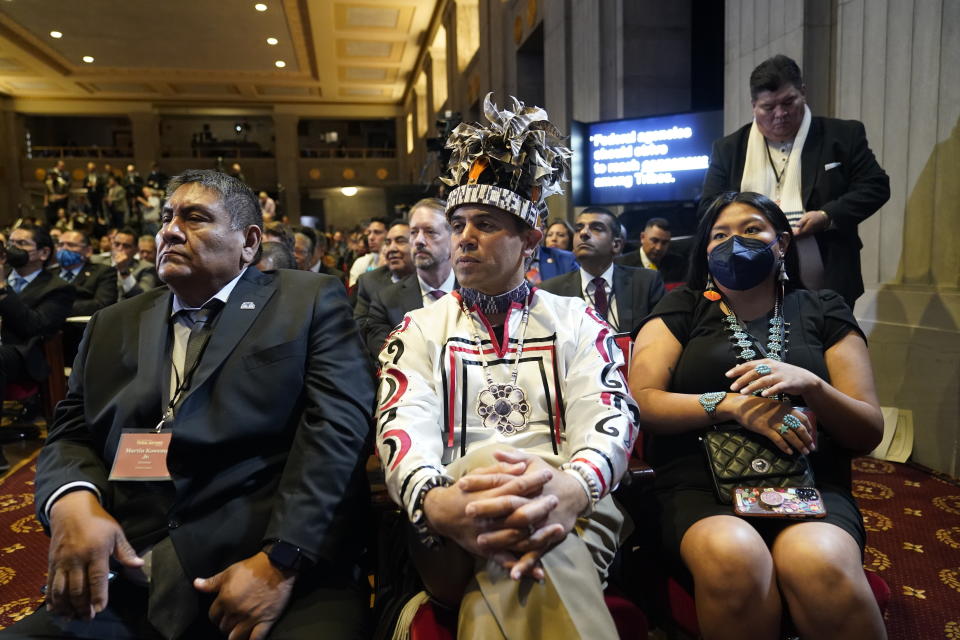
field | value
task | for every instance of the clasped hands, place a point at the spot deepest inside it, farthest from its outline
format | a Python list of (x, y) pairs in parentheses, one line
[(512, 512), (250, 594)]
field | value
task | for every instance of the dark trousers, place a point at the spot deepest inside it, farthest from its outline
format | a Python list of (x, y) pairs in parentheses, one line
[(334, 609), (12, 367)]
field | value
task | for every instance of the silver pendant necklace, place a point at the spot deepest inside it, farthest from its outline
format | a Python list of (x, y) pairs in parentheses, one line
[(502, 406)]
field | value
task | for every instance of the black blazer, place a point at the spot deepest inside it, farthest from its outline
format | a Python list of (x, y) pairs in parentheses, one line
[(368, 284), (635, 292), (850, 192), (270, 441), (96, 286), (387, 309), (38, 311), (672, 268)]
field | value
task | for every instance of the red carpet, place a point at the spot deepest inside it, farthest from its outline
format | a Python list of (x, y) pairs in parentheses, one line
[(912, 518), (913, 541), (23, 545)]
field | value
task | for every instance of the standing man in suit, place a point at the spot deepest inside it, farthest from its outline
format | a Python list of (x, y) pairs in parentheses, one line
[(96, 284), (248, 393), (819, 170), (622, 295), (396, 251), (654, 252), (375, 232), (34, 304), (134, 276), (434, 278)]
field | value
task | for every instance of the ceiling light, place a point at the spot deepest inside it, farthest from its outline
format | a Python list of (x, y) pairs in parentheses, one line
[(56, 34), (272, 41), (88, 59), (280, 64), (349, 191), (260, 6)]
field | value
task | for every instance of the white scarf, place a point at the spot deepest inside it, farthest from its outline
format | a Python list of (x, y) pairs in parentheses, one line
[(759, 176)]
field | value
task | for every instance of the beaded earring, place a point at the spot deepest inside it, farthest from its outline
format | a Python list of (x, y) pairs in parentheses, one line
[(710, 293)]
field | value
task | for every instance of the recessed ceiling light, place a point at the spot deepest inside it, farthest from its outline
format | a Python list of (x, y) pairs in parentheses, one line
[(56, 34), (272, 41), (88, 59), (260, 6), (280, 64), (349, 191)]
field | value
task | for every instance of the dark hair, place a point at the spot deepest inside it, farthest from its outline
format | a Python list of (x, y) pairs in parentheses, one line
[(615, 229), (567, 226), (660, 223), (697, 276), (41, 237), (310, 234), (238, 199), (83, 234), (128, 231), (773, 73), (282, 231), (397, 223), (279, 253), (369, 222)]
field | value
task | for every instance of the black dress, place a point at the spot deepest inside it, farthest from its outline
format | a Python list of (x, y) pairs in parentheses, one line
[(683, 487)]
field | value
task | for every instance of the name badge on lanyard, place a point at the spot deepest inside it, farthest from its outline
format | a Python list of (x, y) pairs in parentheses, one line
[(141, 455)]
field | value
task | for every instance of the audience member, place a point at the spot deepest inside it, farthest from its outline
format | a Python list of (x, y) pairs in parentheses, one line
[(396, 251), (95, 284), (654, 252), (275, 255), (149, 201), (717, 351), (559, 236), (434, 278), (306, 251), (115, 202), (279, 232), (147, 248), (820, 171), (94, 184), (134, 276), (34, 304), (548, 262), (57, 191), (622, 296), (157, 180), (511, 497), (253, 522), (375, 232), (268, 207)]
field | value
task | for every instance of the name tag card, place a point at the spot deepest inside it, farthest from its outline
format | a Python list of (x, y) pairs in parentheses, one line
[(141, 456)]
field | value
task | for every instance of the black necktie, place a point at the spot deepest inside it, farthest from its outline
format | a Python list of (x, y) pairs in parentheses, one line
[(68, 276), (600, 296), (199, 336)]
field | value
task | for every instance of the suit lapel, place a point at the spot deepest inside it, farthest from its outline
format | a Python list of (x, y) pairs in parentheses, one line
[(623, 295), (411, 297), (152, 362), (251, 293), (809, 158)]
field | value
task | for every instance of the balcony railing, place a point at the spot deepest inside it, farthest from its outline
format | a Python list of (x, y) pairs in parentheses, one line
[(334, 153), (209, 150), (81, 152)]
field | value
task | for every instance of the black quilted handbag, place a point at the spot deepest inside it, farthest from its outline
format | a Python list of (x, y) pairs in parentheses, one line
[(741, 458)]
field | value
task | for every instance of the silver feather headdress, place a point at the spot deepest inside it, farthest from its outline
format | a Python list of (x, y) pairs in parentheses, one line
[(514, 164)]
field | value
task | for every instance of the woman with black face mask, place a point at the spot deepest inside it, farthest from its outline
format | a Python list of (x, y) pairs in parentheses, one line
[(744, 345)]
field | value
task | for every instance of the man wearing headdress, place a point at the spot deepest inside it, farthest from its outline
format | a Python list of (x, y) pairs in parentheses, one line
[(503, 422)]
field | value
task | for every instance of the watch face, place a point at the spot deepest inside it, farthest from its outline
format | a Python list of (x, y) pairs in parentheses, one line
[(285, 555)]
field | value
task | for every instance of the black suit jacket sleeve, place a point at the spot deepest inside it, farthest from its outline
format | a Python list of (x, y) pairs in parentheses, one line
[(718, 178), (47, 313), (327, 456), (864, 186), (377, 324), (103, 290)]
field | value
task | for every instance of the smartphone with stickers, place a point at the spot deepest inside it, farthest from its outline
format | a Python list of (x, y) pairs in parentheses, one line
[(778, 502)]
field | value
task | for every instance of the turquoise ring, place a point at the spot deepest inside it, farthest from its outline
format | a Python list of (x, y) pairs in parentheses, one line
[(763, 369), (790, 421)]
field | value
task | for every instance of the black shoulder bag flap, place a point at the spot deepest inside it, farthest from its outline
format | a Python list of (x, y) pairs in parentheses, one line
[(738, 457)]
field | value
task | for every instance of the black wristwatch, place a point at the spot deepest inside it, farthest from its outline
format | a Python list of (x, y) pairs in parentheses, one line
[(286, 556)]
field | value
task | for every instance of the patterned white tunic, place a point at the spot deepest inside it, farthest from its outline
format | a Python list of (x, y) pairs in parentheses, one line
[(430, 375)]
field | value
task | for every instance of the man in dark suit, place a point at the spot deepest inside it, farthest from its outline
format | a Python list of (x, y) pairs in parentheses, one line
[(96, 284), (396, 250), (430, 237), (820, 171), (134, 276), (34, 304), (654, 252), (622, 295), (248, 516), (308, 248)]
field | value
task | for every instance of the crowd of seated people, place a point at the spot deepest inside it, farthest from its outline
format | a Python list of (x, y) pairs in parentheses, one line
[(500, 413)]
